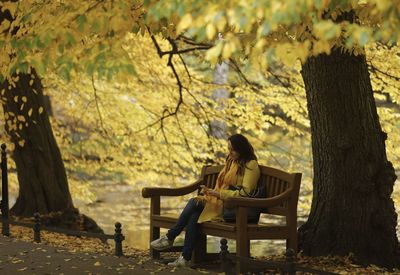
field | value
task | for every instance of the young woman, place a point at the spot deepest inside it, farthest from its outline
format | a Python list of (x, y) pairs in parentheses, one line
[(240, 170)]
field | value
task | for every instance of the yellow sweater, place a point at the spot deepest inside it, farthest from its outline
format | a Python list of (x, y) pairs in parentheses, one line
[(213, 211)]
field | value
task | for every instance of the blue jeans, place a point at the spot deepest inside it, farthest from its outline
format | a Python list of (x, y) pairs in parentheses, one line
[(189, 217)]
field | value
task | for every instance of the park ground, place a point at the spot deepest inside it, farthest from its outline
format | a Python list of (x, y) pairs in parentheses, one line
[(60, 254)]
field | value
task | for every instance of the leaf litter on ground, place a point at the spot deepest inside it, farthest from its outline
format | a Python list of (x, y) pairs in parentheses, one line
[(336, 264)]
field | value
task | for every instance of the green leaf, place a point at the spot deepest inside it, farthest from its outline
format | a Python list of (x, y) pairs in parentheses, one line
[(64, 72), (100, 58), (23, 67), (38, 43), (130, 69), (363, 39), (60, 48), (47, 39), (81, 20), (90, 68), (14, 43), (95, 27), (70, 39), (266, 27)]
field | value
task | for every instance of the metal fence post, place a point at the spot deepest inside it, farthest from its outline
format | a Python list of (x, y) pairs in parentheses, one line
[(36, 228), (5, 229), (118, 238)]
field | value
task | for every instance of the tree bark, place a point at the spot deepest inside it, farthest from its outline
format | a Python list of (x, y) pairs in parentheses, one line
[(41, 173), (219, 128), (352, 211)]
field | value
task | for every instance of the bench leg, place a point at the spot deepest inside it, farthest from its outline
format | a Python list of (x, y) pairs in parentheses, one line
[(242, 240), (154, 231), (291, 242), (154, 234), (200, 249)]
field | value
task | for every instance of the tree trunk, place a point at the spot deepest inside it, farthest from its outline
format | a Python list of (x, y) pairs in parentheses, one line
[(43, 185), (352, 211), (219, 128)]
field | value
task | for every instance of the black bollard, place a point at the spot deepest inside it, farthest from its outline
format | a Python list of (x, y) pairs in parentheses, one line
[(290, 264), (118, 238), (226, 263), (36, 228), (5, 229)]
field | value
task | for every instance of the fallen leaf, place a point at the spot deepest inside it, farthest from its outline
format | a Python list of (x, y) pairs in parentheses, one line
[(97, 264)]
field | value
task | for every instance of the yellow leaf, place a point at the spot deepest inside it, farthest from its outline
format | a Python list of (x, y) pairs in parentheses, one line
[(210, 31), (21, 143), (16, 98), (285, 52), (97, 264), (4, 25), (326, 30), (11, 6), (30, 112), (40, 110), (21, 118), (31, 82), (213, 53), (321, 46), (185, 22), (117, 23), (221, 23), (302, 50), (229, 48)]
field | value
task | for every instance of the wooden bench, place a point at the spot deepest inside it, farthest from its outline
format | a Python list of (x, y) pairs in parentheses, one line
[(282, 197)]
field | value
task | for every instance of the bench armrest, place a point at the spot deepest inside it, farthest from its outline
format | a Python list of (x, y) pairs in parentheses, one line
[(149, 192), (257, 202)]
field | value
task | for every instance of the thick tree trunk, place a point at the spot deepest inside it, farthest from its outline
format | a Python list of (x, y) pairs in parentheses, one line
[(352, 211), (41, 173)]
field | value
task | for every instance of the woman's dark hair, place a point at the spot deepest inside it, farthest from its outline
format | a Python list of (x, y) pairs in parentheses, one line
[(241, 145)]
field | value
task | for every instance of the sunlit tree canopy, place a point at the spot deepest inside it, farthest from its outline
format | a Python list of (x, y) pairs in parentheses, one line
[(88, 36)]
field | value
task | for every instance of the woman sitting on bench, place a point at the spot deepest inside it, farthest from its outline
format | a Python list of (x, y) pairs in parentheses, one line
[(240, 170)]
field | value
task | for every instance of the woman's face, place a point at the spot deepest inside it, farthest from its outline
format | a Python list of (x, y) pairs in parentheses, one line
[(232, 153)]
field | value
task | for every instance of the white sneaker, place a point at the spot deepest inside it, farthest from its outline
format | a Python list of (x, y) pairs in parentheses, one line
[(180, 262), (161, 243)]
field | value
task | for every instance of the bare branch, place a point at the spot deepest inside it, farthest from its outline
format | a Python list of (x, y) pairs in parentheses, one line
[(96, 100), (167, 113), (376, 69), (304, 111), (186, 68)]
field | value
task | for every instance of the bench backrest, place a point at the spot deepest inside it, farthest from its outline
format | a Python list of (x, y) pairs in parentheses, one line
[(276, 181)]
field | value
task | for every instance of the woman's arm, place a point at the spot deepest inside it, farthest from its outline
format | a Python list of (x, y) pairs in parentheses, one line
[(250, 179)]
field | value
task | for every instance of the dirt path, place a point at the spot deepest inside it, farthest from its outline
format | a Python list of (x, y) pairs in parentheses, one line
[(21, 257)]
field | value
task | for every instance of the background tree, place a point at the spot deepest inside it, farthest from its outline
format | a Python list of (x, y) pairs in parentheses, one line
[(43, 184)]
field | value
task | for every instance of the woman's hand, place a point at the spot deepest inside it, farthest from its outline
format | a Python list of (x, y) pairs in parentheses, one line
[(213, 193), (204, 190), (210, 192)]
